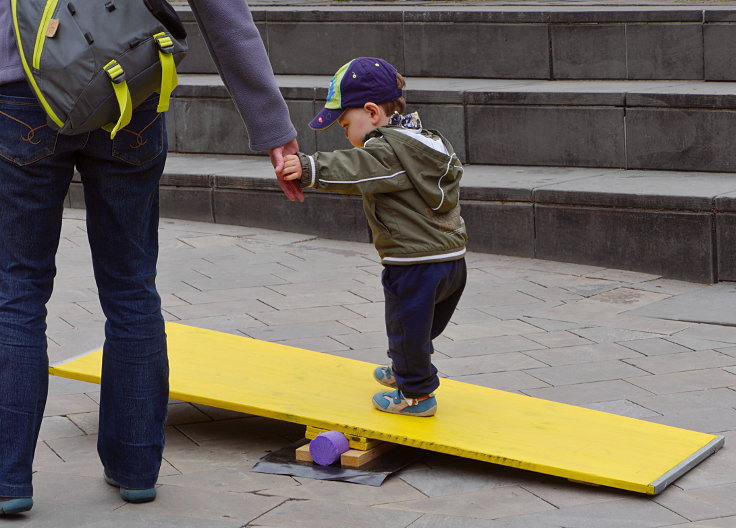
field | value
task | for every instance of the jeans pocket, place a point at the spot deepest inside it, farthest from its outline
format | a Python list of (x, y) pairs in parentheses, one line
[(142, 140), (25, 137)]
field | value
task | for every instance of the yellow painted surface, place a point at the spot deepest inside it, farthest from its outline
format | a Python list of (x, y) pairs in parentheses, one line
[(359, 443), (330, 392)]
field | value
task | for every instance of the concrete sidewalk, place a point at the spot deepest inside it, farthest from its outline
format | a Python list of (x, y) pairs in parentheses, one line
[(556, 331)]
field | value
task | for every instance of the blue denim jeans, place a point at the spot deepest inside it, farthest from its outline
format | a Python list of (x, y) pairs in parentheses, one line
[(420, 301), (120, 179)]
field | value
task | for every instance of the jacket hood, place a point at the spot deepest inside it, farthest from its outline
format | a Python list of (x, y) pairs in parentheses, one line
[(435, 175)]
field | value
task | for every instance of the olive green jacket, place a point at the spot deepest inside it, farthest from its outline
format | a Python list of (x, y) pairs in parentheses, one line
[(410, 190)]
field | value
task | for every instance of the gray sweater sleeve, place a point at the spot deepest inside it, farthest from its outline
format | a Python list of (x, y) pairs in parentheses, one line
[(238, 51)]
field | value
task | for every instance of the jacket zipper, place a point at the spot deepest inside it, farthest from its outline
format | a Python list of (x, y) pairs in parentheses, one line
[(48, 12)]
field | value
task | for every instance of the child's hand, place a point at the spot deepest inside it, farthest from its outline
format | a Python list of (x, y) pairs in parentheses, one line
[(292, 190), (292, 167)]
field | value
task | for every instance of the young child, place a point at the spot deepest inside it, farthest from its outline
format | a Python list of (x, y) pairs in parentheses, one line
[(409, 178)]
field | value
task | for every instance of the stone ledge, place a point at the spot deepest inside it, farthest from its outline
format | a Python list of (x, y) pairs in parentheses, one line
[(620, 189), (433, 90), (679, 225), (616, 188), (643, 125), (532, 42), (674, 191), (464, 13), (726, 202)]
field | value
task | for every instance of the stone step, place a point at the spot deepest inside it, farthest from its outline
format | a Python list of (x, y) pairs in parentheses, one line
[(680, 225), (648, 125), (494, 41)]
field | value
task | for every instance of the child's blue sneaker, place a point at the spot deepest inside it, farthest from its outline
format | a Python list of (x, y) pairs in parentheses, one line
[(12, 505), (395, 402), (131, 494), (385, 376)]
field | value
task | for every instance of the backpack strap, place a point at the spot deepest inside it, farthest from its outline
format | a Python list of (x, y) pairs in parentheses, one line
[(169, 79), (122, 93)]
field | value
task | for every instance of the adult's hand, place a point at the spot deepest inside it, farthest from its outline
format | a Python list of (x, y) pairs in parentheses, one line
[(292, 189)]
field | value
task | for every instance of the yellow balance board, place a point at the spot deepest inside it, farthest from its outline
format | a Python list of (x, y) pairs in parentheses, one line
[(321, 390)]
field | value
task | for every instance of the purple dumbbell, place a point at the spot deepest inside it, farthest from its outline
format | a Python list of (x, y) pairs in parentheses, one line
[(327, 447)]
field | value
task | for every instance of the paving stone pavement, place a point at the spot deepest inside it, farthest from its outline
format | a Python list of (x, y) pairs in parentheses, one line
[(546, 329)]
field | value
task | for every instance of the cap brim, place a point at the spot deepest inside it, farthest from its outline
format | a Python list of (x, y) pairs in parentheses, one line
[(326, 118)]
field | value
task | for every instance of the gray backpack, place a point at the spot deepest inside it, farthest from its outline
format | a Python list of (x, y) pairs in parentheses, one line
[(91, 62)]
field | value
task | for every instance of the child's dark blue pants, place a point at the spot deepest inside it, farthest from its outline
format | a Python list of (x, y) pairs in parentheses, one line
[(420, 300)]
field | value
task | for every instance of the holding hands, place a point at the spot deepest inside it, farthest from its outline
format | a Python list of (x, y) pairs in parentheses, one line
[(292, 168), (292, 189)]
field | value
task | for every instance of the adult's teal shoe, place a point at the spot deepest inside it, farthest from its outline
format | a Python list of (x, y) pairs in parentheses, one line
[(132, 494), (11, 505)]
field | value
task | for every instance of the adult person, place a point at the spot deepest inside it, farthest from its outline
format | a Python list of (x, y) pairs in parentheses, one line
[(120, 179)]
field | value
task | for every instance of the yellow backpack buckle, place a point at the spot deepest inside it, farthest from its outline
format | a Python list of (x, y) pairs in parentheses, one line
[(164, 42), (115, 71)]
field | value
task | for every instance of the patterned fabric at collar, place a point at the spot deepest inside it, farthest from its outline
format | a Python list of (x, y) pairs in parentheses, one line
[(406, 121)]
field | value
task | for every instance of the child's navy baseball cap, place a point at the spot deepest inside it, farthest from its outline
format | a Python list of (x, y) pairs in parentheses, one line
[(360, 81)]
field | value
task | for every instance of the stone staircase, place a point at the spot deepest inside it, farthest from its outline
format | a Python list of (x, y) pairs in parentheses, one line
[(592, 134)]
